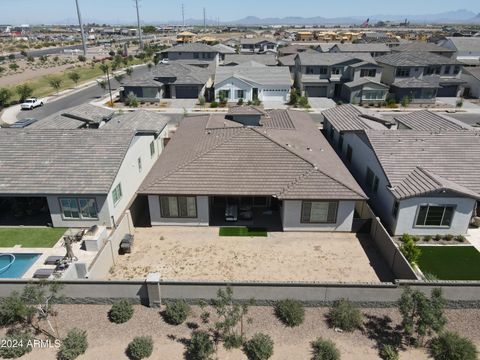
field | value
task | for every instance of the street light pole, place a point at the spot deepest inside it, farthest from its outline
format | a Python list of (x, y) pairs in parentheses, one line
[(84, 44), (140, 39)]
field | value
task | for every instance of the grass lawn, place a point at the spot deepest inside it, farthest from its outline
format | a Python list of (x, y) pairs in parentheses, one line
[(242, 231), (30, 237), (451, 262)]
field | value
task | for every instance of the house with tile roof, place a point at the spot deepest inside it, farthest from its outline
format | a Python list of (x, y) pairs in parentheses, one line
[(472, 76), (250, 81), (421, 76), (252, 167), (74, 177), (418, 171)]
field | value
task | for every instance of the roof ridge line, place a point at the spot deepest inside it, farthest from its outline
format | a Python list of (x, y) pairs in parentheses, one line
[(237, 132), (314, 167)]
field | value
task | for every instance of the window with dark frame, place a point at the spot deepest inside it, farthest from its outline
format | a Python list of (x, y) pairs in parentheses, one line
[(349, 154), (396, 207), (319, 212), (178, 206), (435, 215), (371, 181)]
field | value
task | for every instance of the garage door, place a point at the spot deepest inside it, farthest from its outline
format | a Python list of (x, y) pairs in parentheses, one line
[(186, 92), (447, 91), (316, 91), (274, 95)]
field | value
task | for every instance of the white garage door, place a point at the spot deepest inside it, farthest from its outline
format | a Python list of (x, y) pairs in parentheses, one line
[(274, 94)]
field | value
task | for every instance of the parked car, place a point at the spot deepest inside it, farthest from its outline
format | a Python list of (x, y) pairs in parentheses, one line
[(20, 124), (31, 103), (164, 61)]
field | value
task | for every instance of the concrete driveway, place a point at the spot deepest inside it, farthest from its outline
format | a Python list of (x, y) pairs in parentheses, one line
[(199, 253), (320, 103), (181, 103)]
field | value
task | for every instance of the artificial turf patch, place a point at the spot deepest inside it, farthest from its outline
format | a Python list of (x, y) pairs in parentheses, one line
[(451, 262), (242, 231)]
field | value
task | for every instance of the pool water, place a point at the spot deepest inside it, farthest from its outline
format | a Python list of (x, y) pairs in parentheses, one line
[(19, 266)]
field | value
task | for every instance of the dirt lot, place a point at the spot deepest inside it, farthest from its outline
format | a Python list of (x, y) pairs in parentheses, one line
[(108, 341), (183, 253)]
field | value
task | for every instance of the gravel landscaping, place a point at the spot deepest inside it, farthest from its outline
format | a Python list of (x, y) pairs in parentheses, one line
[(108, 341)]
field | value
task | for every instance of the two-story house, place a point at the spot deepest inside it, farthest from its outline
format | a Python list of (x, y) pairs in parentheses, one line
[(374, 49), (421, 76), (326, 75), (256, 45), (193, 52)]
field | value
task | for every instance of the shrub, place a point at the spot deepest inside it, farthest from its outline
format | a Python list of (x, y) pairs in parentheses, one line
[(449, 237), (5, 95), (324, 350), (290, 312), (82, 58), (200, 346), (293, 97), (460, 238), (303, 102), (405, 101), (451, 346), (389, 352), (74, 345), (438, 237), (411, 251), (131, 100), (259, 347), (256, 102), (345, 315), (240, 101), (201, 100), (406, 238), (140, 347), (121, 312), (459, 103), (214, 104), (427, 238), (12, 310), (233, 341), (416, 238), (21, 339), (176, 312), (13, 66)]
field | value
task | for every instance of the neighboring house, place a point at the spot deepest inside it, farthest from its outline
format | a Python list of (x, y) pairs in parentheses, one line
[(426, 120), (421, 76), (186, 37), (288, 60), (267, 169), (294, 49), (238, 59), (304, 36), (324, 75), (418, 182), (224, 50), (472, 76), (256, 45), (379, 37), (174, 80), (78, 117), (373, 49), (72, 178), (251, 81), (423, 46), (192, 51), (467, 49)]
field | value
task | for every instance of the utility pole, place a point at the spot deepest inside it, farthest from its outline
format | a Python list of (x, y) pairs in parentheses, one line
[(183, 17), (140, 39), (204, 21), (84, 44)]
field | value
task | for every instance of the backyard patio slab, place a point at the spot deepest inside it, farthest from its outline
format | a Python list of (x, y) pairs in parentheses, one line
[(185, 253)]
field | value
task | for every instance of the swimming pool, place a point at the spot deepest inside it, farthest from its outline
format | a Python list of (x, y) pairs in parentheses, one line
[(13, 266)]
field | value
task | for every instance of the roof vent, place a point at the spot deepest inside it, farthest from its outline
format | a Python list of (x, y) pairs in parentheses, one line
[(309, 148), (208, 132)]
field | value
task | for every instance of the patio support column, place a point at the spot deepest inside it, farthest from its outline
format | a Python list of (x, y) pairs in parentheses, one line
[(153, 289)]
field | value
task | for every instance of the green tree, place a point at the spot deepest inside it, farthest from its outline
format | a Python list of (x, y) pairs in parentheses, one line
[(149, 29), (102, 84), (129, 71), (410, 250), (131, 100), (422, 316), (119, 78), (74, 76), (5, 95), (293, 97), (24, 91), (82, 58), (104, 67), (55, 82)]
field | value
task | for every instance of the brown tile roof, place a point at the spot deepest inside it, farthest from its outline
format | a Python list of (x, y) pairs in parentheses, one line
[(290, 164), (350, 118), (420, 162), (426, 120)]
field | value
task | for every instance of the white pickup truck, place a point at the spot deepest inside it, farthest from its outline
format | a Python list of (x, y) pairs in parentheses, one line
[(31, 103)]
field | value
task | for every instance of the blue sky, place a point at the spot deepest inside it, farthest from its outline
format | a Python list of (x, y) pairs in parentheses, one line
[(51, 11)]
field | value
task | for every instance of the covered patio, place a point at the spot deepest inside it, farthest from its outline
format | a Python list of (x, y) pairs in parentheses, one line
[(24, 210), (250, 211)]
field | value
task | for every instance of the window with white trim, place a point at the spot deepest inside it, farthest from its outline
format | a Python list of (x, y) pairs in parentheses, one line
[(435, 215), (78, 208), (117, 194), (178, 206), (320, 212)]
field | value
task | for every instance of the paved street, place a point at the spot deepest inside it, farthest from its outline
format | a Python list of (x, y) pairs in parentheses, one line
[(83, 96)]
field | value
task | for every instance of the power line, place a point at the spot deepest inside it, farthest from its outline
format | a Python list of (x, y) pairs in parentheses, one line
[(84, 44)]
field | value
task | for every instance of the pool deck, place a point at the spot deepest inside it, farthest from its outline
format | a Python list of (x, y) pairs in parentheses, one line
[(57, 250)]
